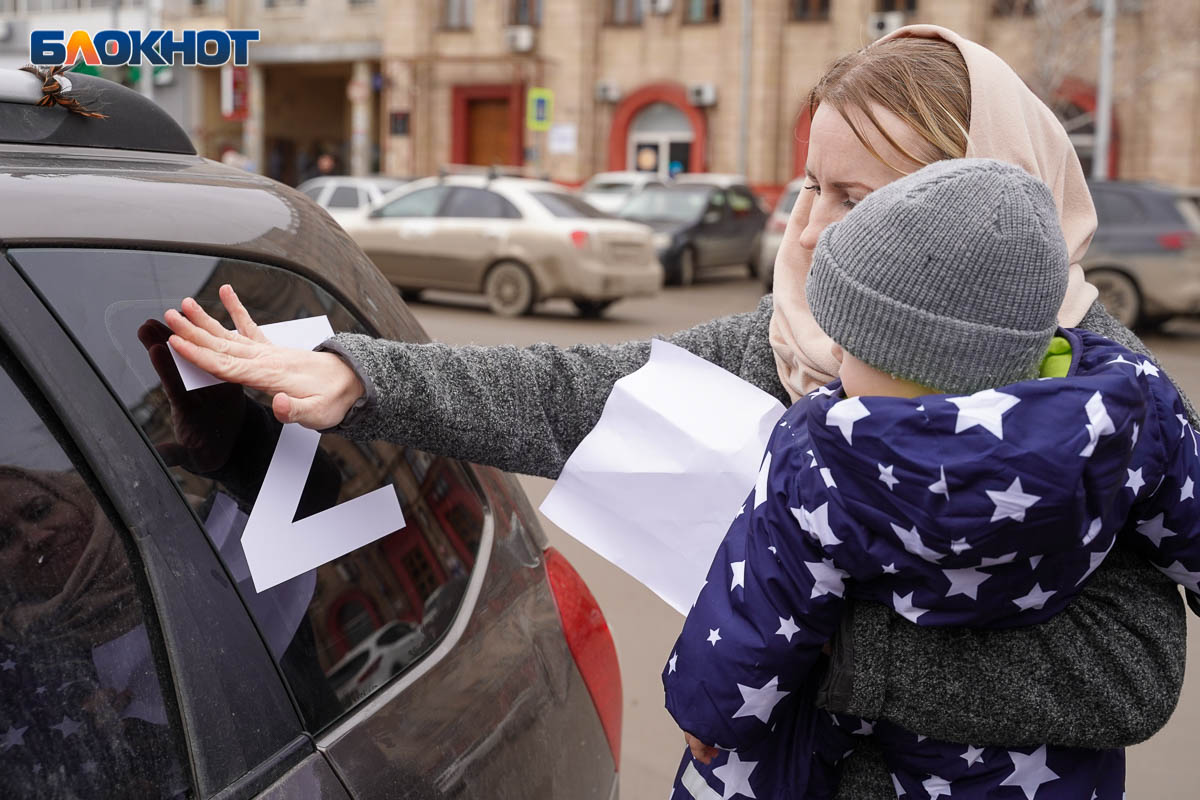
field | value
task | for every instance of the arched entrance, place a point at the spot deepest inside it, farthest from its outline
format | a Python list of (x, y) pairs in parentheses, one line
[(656, 127)]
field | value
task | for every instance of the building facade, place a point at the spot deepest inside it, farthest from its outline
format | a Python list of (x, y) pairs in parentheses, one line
[(405, 86)]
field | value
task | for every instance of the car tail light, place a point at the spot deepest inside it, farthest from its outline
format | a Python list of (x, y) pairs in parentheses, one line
[(1175, 240), (591, 644), (579, 239), (776, 224)]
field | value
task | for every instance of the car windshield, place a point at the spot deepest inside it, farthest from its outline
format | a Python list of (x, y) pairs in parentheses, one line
[(666, 205), (567, 206), (608, 187), (787, 202)]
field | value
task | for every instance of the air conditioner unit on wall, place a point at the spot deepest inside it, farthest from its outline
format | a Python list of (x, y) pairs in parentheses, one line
[(519, 38), (607, 92), (881, 23), (702, 94), (659, 6)]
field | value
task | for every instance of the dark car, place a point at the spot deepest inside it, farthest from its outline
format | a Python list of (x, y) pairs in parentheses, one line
[(699, 226), (137, 658), (1145, 256)]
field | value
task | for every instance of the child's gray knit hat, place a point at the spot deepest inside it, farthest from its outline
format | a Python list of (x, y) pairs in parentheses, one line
[(951, 277)]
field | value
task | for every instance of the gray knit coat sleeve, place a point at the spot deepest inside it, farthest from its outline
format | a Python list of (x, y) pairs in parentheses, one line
[(1106, 673)]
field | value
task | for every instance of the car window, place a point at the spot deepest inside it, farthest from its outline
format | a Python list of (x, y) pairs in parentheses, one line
[(716, 202), (787, 202), (665, 205), (421, 203), (1117, 208), (609, 187), (218, 442), (567, 206), (82, 711), (344, 197), (740, 203), (465, 202), (313, 191)]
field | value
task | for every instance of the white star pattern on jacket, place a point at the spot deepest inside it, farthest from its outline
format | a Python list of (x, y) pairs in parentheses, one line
[(1135, 482), (974, 755), (911, 540), (714, 636), (965, 581), (816, 522), (936, 787), (985, 409), (735, 774), (1154, 529), (886, 475), (828, 578), (760, 702), (844, 414), (760, 488), (940, 486), (1029, 772), (1099, 423), (1092, 532), (1147, 368), (1012, 502), (905, 608), (1035, 599), (787, 628), (1187, 491), (13, 737), (1181, 575), (739, 575)]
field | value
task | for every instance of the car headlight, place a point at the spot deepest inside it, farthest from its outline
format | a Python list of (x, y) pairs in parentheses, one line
[(662, 241)]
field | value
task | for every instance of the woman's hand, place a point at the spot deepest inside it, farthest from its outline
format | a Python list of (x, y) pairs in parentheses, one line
[(312, 389), (700, 751)]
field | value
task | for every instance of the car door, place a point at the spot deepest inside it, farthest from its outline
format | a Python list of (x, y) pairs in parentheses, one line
[(151, 680), (473, 227), (712, 233), (400, 237)]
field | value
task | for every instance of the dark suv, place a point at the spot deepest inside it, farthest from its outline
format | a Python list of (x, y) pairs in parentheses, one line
[(456, 657)]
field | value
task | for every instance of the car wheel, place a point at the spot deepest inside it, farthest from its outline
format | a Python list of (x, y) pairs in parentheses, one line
[(752, 261), (687, 267), (410, 295), (592, 309), (509, 289), (1119, 294)]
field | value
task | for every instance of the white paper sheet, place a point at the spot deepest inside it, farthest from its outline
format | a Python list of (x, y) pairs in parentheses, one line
[(656, 483), (276, 548), (125, 664)]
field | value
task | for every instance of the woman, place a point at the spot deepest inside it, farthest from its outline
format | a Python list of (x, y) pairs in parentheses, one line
[(921, 95)]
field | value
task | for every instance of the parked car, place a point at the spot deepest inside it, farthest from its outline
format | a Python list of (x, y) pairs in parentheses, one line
[(515, 240), (773, 235), (387, 651), (346, 197), (699, 226), (137, 658), (608, 191), (1145, 256)]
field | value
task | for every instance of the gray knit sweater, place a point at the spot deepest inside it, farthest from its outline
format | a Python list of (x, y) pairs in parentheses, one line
[(1105, 673)]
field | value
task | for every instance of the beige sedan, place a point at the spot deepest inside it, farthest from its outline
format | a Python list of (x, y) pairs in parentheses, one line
[(517, 241)]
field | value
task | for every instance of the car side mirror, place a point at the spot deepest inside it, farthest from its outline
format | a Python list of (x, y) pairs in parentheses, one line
[(711, 217)]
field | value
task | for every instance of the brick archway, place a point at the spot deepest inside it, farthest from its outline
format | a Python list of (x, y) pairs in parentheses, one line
[(673, 94)]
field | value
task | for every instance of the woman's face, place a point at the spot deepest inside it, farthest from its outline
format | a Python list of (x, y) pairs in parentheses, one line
[(42, 538), (840, 172)]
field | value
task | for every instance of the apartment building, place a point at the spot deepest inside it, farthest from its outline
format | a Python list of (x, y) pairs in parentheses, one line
[(404, 86)]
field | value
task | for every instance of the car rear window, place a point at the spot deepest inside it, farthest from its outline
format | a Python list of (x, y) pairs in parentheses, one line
[(82, 709), (217, 443), (609, 187), (344, 197), (469, 203), (567, 206), (787, 202)]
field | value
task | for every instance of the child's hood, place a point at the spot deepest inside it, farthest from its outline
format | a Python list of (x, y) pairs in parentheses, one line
[(1028, 467)]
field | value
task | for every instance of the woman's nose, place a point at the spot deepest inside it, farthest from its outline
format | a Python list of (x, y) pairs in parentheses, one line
[(812, 232)]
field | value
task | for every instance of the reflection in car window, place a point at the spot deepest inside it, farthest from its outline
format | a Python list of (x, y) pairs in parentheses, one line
[(665, 205), (739, 203), (81, 702), (421, 203), (344, 197), (218, 442), (1117, 208), (568, 206), (478, 204)]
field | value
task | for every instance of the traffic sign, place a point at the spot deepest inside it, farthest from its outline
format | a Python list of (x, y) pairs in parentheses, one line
[(539, 109)]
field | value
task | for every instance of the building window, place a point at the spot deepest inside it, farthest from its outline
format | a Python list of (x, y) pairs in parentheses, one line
[(883, 6), (702, 11), (526, 12), (456, 14), (1014, 8), (625, 12), (809, 10)]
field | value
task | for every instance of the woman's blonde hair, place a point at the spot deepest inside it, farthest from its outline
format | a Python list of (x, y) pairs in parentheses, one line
[(922, 81)]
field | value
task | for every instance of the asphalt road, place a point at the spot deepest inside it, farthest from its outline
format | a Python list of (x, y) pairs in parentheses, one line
[(644, 627)]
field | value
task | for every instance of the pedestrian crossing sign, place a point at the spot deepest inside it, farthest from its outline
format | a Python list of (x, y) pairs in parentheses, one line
[(539, 109)]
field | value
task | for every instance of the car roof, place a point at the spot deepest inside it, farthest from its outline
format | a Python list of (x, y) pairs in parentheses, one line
[(626, 175), (101, 197), (721, 179)]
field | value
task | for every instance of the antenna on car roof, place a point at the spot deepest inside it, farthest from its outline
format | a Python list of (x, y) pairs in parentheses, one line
[(492, 173), (442, 173)]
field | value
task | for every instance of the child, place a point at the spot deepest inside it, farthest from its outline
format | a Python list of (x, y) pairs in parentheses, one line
[(982, 507)]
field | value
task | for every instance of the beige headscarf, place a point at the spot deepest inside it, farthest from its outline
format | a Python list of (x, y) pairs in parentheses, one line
[(1009, 123)]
